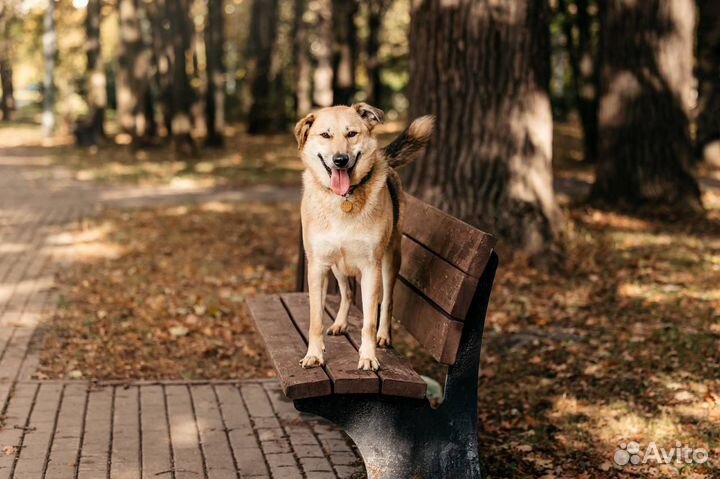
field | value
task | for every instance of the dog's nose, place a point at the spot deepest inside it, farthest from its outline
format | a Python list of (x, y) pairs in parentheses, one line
[(341, 160)]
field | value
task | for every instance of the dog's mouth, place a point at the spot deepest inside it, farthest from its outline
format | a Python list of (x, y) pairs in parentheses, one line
[(340, 177)]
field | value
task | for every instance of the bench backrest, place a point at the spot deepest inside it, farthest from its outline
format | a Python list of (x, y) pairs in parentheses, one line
[(443, 259)]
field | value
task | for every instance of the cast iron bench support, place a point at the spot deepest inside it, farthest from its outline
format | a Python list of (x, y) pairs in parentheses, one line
[(401, 438)]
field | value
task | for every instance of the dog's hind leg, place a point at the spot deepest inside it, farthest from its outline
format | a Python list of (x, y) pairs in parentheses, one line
[(390, 269), (339, 326)]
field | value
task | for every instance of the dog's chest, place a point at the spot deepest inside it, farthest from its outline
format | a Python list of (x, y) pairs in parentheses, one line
[(349, 249)]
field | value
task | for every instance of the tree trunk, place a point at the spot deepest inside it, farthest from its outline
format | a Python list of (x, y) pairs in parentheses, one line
[(376, 11), (215, 95), (133, 76), (163, 54), (322, 54), (7, 100), (645, 145), (345, 50), (182, 94), (584, 61), (50, 57), (708, 72), (482, 68), (96, 83), (267, 113), (301, 54)]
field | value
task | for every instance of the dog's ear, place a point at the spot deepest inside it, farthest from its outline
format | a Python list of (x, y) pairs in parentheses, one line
[(302, 128), (371, 116)]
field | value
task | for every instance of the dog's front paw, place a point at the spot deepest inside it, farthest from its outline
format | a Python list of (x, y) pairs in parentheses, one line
[(369, 364), (383, 341), (310, 361), (337, 329)]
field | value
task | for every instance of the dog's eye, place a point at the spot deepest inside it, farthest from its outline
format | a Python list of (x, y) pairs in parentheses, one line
[(352, 134), (325, 134)]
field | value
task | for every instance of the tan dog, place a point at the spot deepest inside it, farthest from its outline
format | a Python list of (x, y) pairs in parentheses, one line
[(352, 213)]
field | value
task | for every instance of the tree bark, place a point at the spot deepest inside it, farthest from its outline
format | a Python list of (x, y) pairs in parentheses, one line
[(163, 56), (708, 73), (50, 57), (7, 100), (376, 12), (322, 54), (482, 68), (215, 95), (182, 94), (133, 75), (301, 54), (96, 83), (345, 50), (267, 113), (645, 145), (584, 64)]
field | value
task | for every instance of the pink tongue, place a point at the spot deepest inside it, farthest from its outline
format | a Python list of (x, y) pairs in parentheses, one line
[(340, 182)]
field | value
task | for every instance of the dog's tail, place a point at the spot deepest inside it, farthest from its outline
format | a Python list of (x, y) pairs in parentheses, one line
[(407, 147)]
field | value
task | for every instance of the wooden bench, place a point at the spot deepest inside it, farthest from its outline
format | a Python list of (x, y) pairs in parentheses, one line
[(441, 298)]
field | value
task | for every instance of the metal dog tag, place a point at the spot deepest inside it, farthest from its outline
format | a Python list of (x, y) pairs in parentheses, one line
[(346, 206)]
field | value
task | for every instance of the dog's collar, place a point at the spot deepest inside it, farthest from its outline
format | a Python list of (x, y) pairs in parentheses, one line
[(360, 183)]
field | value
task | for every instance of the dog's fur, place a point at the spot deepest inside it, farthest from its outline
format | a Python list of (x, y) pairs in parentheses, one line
[(364, 242)]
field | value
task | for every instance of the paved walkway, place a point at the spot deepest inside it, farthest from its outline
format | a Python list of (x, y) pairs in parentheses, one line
[(78, 430)]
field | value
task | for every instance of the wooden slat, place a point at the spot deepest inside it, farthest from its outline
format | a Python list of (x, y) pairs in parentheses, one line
[(286, 348), (396, 373), (460, 244), (437, 332), (444, 284), (341, 357)]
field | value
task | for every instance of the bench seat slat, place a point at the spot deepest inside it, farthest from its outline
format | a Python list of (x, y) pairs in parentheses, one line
[(460, 244), (286, 347), (397, 375), (437, 332), (443, 283), (341, 357)]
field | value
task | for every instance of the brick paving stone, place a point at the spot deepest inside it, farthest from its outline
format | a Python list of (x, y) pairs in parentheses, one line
[(97, 432)]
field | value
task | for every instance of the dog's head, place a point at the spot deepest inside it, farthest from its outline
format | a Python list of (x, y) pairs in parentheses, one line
[(337, 144)]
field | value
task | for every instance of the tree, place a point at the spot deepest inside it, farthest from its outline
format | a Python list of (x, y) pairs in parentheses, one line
[(96, 83), (7, 100), (215, 95), (578, 26), (482, 68), (301, 55), (376, 12), (322, 53), (344, 51), (267, 113), (182, 94), (133, 75), (647, 91), (708, 73), (50, 57)]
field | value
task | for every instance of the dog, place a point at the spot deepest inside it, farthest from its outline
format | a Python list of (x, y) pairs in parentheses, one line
[(351, 212)]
